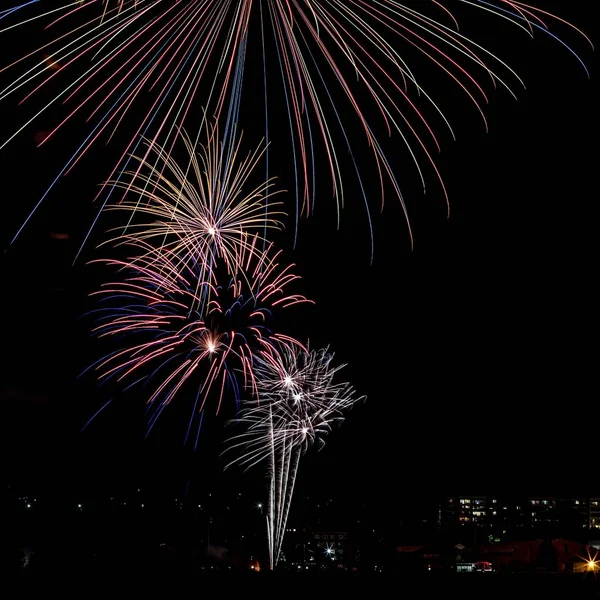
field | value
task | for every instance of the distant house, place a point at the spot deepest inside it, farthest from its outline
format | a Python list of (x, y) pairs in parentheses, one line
[(411, 557), (332, 544), (511, 555), (424, 557), (555, 555)]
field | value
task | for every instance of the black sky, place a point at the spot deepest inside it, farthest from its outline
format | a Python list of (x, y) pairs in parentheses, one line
[(476, 348)]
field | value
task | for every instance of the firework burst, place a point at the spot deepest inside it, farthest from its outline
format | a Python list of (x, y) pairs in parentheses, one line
[(187, 336), (338, 66), (202, 213), (299, 401)]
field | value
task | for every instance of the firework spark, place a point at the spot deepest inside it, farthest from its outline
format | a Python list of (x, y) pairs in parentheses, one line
[(338, 65), (299, 401)]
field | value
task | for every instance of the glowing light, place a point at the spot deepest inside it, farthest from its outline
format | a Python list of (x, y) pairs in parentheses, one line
[(589, 563), (211, 343)]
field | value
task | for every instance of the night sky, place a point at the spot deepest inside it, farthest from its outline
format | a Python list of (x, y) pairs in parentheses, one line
[(475, 348)]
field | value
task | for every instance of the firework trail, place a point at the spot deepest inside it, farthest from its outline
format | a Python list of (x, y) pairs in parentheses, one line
[(186, 336), (338, 67), (299, 401)]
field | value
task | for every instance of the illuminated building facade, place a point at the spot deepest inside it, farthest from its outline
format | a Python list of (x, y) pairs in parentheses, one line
[(543, 510), (332, 543), (535, 512), (594, 514)]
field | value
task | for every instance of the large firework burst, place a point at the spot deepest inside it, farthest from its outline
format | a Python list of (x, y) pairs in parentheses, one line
[(339, 67)]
